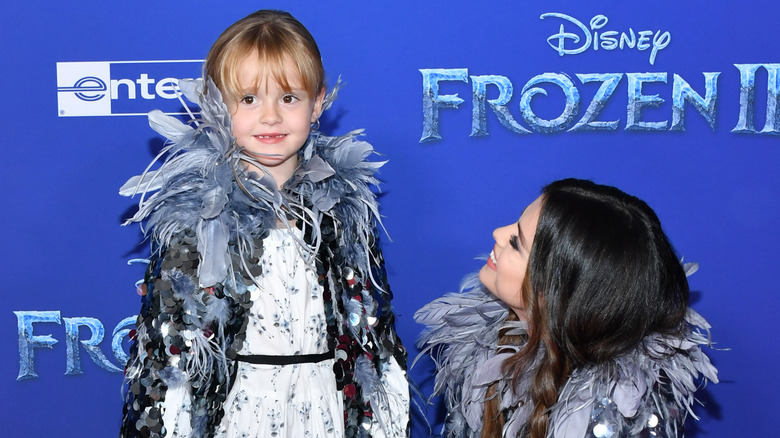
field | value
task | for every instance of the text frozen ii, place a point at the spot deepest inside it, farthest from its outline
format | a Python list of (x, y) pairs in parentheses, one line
[(682, 92)]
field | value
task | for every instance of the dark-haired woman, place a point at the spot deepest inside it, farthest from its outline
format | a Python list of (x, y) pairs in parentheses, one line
[(577, 326)]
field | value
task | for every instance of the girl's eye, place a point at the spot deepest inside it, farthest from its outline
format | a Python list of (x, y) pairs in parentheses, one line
[(248, 99), (514, 242), (289, 98)]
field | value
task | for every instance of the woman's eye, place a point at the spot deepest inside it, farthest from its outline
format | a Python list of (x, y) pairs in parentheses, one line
[(514, 242)]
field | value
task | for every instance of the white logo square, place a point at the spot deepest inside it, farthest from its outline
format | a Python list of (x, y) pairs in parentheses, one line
[(83, 89)]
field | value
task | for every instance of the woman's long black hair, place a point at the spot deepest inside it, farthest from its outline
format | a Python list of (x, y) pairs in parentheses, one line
[(602, 276)]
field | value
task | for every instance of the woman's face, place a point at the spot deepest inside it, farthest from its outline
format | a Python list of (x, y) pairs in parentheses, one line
[(504, 272)]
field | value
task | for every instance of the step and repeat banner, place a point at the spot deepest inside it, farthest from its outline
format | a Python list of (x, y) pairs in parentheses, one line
[(475, 105)]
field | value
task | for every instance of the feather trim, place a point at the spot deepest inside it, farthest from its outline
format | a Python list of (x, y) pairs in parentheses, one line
[(651, 387)]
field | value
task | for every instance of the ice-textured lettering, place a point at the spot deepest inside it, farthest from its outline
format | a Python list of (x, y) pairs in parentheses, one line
[(28, 342), (498, 105), (569, 112), (747, 96), (637, 101), (91, 345), (432, 101)]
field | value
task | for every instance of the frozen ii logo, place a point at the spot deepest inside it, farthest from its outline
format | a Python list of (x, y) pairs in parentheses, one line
[(30, 342), (573, 37)]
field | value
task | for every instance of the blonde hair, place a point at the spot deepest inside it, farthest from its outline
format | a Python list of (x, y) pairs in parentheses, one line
[(272, 37)]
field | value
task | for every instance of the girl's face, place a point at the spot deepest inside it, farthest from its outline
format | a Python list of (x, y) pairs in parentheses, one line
[(505, 270), (270, 123)]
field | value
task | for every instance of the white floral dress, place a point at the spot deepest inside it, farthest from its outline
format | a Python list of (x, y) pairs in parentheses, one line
[(288, 318)]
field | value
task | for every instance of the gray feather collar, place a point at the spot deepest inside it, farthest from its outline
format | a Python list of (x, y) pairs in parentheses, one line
[(634, 392), (201, 186)]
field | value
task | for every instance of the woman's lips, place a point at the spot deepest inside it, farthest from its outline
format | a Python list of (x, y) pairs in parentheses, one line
[(491, 261)]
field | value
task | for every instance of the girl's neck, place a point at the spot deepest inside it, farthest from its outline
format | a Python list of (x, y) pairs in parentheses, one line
[(280, 173)]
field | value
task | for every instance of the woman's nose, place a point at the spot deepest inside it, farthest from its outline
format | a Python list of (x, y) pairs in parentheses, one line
[(501, 235), (498, 235)]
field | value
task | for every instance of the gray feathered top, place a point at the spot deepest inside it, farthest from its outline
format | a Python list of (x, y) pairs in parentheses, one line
[(633, 393)]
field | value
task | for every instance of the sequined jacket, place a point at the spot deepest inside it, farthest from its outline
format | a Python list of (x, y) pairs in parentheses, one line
[(207, 220), (646, 392)]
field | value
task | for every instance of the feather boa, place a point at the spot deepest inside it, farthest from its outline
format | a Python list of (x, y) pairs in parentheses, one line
[(621, 396)]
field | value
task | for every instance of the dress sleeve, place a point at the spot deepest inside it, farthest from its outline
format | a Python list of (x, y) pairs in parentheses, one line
[(391, 416), (158, 392), (177, 412), (391, 419)]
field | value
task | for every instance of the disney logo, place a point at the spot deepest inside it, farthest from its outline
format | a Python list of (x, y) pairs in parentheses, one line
[(565, 42)]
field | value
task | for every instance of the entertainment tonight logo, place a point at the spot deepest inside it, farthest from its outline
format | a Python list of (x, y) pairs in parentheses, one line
[(122, 88)]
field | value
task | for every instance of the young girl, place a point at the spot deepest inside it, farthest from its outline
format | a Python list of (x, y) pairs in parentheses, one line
[(265, 308), (580, 326)]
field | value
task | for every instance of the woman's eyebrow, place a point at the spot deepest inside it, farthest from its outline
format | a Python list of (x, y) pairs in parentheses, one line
[(521, 236)]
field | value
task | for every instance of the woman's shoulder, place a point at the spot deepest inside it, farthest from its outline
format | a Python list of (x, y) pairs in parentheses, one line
[(651, 388)]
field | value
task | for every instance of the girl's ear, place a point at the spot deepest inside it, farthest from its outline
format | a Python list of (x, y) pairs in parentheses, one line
[(317, 111)]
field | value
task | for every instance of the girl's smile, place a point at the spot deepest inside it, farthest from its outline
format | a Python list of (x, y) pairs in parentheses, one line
[(272, 123)]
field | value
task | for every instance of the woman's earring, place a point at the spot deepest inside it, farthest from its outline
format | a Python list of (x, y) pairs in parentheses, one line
[(316, 125)]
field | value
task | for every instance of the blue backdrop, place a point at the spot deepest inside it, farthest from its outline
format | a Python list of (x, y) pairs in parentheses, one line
[(685, 115)]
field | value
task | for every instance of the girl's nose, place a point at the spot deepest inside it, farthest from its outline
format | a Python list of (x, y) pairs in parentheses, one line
[(269, 114)]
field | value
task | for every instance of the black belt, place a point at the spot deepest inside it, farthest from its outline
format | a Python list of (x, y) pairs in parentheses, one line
[(262, 359)]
